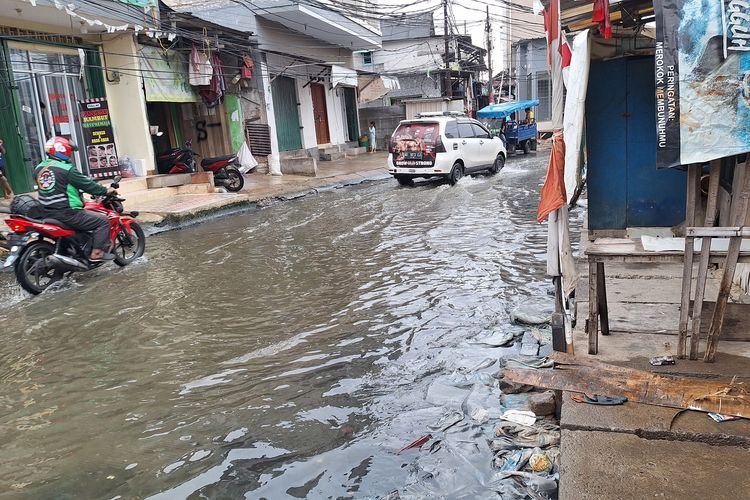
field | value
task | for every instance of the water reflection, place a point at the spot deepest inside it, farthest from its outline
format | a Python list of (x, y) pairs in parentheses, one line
[(278, 354)]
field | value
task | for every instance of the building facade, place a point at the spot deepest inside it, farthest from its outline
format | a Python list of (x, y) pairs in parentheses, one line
[(531, 78)]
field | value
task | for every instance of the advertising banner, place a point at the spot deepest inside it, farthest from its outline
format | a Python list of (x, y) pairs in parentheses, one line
[(99, 152), (413, 144), (702, 72)]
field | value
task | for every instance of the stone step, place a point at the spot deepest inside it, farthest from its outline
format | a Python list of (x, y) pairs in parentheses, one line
[(300, 166), (356, 151), (128, 185), (332, 155)]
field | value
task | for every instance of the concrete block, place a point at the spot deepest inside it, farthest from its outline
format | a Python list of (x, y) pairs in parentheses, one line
[(542, 403), (331, 155), (168, 180), (356, 151), (202, 178), (300, 166), (597, 465)]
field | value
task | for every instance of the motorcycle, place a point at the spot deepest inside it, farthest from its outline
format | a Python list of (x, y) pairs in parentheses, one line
[(225, 168), (43, 251)]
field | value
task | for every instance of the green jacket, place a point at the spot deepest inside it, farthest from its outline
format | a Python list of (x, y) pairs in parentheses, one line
[(60, 185)]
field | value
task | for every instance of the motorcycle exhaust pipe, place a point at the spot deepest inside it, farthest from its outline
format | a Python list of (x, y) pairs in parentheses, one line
[(65, 263)]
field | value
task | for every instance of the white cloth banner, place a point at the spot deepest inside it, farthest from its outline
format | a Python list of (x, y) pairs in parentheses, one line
[(575, 107), (343, 76)]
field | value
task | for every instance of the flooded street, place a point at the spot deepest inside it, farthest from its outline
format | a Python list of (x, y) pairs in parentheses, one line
[(280, 353)]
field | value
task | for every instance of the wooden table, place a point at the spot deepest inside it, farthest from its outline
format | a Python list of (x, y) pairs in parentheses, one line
[(626, 251)]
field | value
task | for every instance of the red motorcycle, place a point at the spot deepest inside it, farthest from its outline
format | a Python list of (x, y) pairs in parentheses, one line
[(182, 160), (44, 250)]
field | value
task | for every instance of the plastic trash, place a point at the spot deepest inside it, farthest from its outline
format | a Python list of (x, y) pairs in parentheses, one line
[(417, 443), (516, 460), (447, 420), (496, 339), (540, 462), (662, 360), (718, 417), (519, 417), (527, 362)]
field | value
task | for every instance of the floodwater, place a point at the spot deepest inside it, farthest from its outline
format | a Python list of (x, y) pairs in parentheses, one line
[(279, 353)]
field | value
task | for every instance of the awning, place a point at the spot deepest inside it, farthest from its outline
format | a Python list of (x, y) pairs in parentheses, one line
[(343, 76), (165, 76), (505, 109)]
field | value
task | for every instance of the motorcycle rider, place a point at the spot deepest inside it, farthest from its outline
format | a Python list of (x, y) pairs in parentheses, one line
[(60, 185)]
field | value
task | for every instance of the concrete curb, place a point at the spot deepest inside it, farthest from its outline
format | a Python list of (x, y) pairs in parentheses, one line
[(172, 222)]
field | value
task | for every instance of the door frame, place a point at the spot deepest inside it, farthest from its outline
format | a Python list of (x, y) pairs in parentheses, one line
[(320, 90), (349, 125)]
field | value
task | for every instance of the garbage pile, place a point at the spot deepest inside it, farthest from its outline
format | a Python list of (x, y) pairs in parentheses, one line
[(490, 437)]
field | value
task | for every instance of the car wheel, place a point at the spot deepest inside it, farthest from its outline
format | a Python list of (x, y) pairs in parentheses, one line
[(404, 181), (456, 173), (498, 165), (526, 147)]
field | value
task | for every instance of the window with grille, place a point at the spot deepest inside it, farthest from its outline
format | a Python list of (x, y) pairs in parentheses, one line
[(544, 94), (367, 57)]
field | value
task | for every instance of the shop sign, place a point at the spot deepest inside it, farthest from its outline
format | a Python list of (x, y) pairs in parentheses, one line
[(702, 73), (99, 152)]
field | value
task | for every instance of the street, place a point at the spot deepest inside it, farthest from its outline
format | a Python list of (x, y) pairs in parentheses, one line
[(283, 352)]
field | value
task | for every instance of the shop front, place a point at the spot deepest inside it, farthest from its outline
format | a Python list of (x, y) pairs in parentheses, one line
[(42, 86)]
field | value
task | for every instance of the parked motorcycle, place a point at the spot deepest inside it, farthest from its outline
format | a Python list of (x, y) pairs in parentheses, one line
[(44, 250), (225, 168)]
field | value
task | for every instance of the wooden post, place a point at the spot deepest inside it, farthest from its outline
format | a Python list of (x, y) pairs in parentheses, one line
[(601, 298), (593, 321), (738, 217), (694, 172), (700, 284)]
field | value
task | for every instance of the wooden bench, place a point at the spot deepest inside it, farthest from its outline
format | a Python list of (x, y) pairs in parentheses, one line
[(626, 251)]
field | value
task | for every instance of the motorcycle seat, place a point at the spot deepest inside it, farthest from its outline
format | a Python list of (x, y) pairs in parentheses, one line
[(208, 161), (47, 220), (57, 223)]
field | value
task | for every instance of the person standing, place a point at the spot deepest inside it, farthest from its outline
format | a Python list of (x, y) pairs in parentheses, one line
[(3, 177), (373, 137)]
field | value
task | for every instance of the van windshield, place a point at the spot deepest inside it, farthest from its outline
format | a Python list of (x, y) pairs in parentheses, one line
[(413, 144)]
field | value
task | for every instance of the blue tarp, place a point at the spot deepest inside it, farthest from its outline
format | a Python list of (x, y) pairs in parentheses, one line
[(505, 109)]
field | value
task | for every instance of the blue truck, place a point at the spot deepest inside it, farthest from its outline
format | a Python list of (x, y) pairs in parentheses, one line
[(506, 120)]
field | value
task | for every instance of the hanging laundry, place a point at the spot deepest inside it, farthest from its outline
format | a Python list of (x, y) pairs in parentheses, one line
[(247, 67), (600, 14), (214, 94), (201, 70)]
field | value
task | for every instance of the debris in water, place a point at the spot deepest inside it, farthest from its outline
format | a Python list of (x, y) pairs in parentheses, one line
[(417, 443), (519, 417), (662, 360), (539, 462), (497, 339), (718, 417), (531, 314), (598, 399)]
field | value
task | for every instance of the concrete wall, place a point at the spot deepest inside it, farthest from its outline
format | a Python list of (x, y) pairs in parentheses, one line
[(386, 120), (276, 37), (306, 121), (127, 105), (404, 55)]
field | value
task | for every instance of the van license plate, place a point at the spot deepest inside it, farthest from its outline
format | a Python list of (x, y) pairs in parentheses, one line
[(411, 170)]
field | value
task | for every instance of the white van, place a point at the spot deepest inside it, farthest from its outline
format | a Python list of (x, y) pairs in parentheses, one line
[(443, 145)]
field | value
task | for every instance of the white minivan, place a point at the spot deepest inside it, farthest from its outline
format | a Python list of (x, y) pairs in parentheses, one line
[(443, 145)]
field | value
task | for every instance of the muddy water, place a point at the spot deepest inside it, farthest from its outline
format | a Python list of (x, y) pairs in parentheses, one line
[(280, 353)]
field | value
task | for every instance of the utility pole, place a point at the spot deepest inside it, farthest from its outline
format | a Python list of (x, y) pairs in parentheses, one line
[(447, 79), (488, 29)]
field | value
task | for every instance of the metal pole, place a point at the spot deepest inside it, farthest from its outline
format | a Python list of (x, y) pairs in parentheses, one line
[(488, 29), (448, 83)]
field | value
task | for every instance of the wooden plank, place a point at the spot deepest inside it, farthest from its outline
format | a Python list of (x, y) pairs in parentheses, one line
[(700, 285), (590, 376), (601, 298), (739, 215), (717, 321), (687, 272), (593, 321)]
